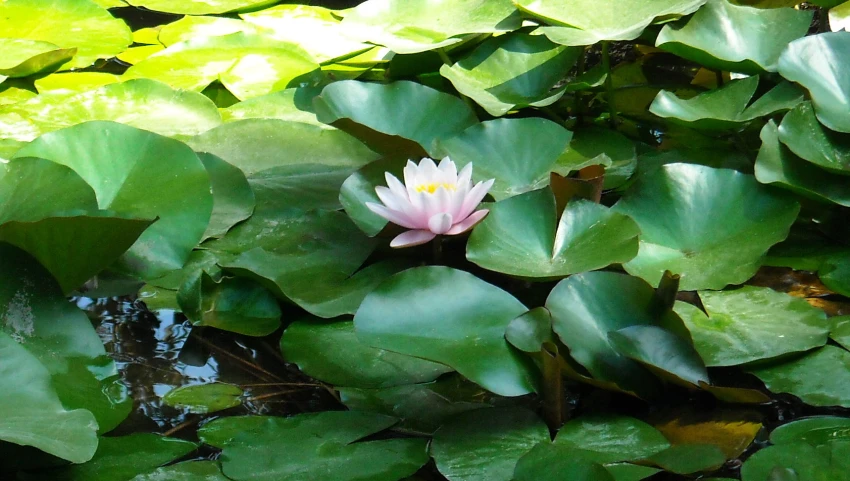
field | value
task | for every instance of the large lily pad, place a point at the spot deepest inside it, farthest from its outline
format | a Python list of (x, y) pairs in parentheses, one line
[(248, 64), (485, 444), (200, 7), (586, 22), (80, 24), (318, 447), (451, 317), (512, 71), (801, 132), (407, 26), (142, 174), (609, 439), (406, 109), (798, 462), (359, 188), (752, 323), (233, 199), (815, 63), (23, 57), (819, 378), (73, 82), (523, 236), (195, 26), (331, 352), (518, 153), (549, 462), (601, 146), (663, 352), (294, 104), (729, 37), (237, 305), (677, 236), (609, 302), (814, 430), (776, 164), (187, 471)]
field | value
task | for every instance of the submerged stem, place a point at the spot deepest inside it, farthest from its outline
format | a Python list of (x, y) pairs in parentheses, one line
[(609, 85)]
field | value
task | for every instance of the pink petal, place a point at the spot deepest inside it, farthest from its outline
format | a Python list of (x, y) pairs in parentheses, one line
[(393, 216), (468, 223), (438, 202), (440, 223), (391, 200), (411, 173), (396, 186), (449, 170), (464, 179), (473, 198), (412, 238)]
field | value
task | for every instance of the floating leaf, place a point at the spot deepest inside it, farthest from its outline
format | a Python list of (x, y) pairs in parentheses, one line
[(676, 236), (663, 352), (801, 132), (689, 458), (80, 24), (609, 439), (815, 430), (249, 65), (523, 236), (237, 305), (187, 471), (204, 398), (406, 109), (359, 188), (512, 71), (24, 57), (529, 331), (121, 163), (451, 317), (485, 444), (200, 7), (190, 27), (730, 430), (72, 82), (723, 36), (331, 352), (819, 378), (418, 26), (600, 146), (839, 17), (233, 199), (798, 462), (290, 104), (550, 462), (752, 323)]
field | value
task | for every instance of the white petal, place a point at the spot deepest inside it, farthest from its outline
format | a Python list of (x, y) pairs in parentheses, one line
[(412, 238), (411, 173), (449, 170), (473, 198), (440, 223), (396, 186), (428, 172), (468, 223), (393, 216), (464, 179), (439, 202), (391, 200)]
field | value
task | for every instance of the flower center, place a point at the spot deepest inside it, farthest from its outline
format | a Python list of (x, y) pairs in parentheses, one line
[(433, 186)]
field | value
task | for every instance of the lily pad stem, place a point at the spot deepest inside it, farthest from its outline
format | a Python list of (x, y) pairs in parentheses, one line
[(609, 85), (554, 394)]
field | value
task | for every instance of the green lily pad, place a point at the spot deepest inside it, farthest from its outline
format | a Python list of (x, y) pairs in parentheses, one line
[(586, 22), (723, 36), (550, 462), (248, 64), (811, 62), (600, 146), (141, 103), (752, 323), (798, 462), (200, 7), (512, 71), (776, 164), (204, 398), (134, 55), (121, 459), (801, 132), (32, 413), (689, 458), (290, 104), (662, 352), (72, 82), (359, 188), (451, 317), (192, 26), (405, 109), (523, 236), (835, 274), (819, 378), (840, 331), (232, 304), (676, 236), (485, 444), (815, 430), (839, 17), (22, 57), (158, 298), (317, 30), (529, 331), (331, 352), (610, 439), (316, 445), (418, 26), (141, 174), (609, 302), (518, 153), (69, 24), (233, 199), (187, 471)]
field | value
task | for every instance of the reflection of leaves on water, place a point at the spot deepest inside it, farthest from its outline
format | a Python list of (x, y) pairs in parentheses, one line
[(158, 352)]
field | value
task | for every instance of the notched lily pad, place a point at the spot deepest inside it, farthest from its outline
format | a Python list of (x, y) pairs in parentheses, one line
[(801, 132), (204, 398)]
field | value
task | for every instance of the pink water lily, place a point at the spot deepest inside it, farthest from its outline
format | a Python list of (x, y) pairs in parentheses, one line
[(434, 200)]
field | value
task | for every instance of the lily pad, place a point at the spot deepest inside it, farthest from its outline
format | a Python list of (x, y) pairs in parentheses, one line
[(801, 132), (331, 352), (811, 62), (523, 236), (676, 236), (819, 378), (24, 57), (451, 317), (233, 199), (194, 26), (204, 398), (80, 24), (512, 71), (814, 430), (405, 109), (662, 352), (751, 324), (586, 22), (200, 7), (72, 82), (776, 164), (600, 146), (609, 439), (187, 471), (839, 17), (798, 462), (529, 331), (550, 462), (518, 153), (141, 174), (417, 26), (318, 446), (724, 36), (237, 305), (359, 188), (248, 64), (609, 301), (485, 444), (689, 458), (294, 104)]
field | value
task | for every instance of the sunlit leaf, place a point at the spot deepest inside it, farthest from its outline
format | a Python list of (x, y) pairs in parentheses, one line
[(801, 132)]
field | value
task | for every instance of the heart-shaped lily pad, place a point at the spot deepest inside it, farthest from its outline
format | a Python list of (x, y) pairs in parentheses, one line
[(663, 353), (819, 378), (451, 317), (801, 132), (24, 57), (523, 236), (676, 235), (729, 37)]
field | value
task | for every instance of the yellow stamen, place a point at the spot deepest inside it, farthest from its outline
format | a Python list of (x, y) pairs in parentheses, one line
[(432, 187)]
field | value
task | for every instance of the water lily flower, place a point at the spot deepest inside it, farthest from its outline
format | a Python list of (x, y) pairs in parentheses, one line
[(434, 200)]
